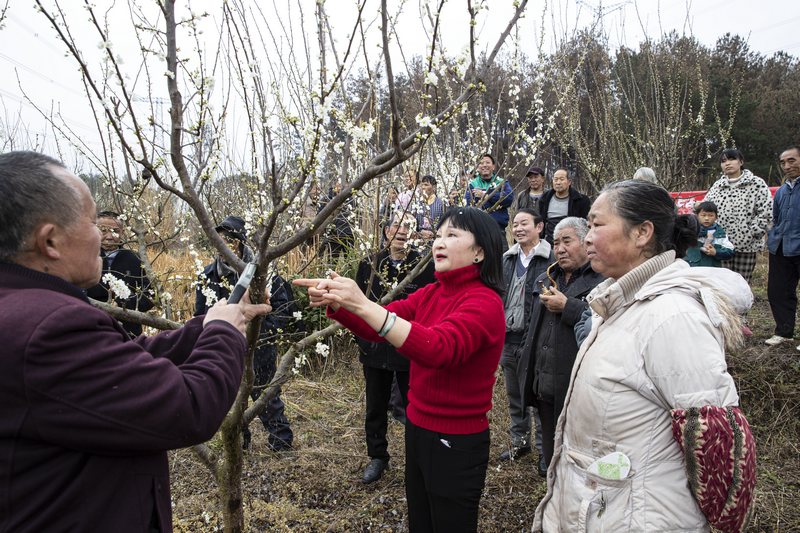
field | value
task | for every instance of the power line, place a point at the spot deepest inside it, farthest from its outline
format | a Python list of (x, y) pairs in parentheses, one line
[(25, 102), (39, 74)]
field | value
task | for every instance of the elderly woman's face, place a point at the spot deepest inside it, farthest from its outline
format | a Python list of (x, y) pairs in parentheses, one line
[(611, 246)]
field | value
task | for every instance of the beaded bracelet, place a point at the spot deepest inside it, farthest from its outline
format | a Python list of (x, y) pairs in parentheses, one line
[(387, 327)]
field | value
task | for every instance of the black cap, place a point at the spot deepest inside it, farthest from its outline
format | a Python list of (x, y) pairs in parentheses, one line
[(234, 226), (535, 170)]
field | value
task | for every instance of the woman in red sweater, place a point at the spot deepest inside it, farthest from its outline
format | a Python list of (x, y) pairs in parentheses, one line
[(452, 331)]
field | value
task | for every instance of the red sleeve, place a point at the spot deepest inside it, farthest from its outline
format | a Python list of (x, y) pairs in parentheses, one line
[(402, 308), (477, 321)]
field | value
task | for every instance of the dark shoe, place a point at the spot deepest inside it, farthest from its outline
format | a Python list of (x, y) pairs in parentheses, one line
[(280, 446), (542, 467), (277, 444), (374, 470), (515, 453)]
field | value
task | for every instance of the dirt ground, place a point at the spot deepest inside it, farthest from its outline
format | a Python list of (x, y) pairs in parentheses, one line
[(317, 486)]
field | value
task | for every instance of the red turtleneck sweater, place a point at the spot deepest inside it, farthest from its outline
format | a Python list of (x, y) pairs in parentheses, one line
[(457, 334)]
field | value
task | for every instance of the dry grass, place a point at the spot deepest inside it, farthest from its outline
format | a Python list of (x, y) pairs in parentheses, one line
[(317, 487)]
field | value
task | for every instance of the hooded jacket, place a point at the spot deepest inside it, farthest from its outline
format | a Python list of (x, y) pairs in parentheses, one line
[(657, 343)]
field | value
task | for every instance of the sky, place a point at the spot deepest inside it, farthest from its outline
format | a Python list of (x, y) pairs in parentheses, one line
[(35, 71)]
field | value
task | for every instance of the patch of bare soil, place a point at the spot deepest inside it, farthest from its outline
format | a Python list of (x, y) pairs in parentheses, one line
[(317, 486)]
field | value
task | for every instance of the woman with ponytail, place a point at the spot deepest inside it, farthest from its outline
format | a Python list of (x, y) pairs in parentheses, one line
[(650, 437)]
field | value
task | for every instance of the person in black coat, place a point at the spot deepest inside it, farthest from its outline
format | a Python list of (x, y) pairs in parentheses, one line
[(549, 347), (124, 265), (382, 364), (561, 201), (216, 283)]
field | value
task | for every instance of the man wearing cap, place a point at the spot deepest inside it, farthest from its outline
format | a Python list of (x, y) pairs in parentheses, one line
[(87, 412), (560, 202), (216, 283), (531, 195)]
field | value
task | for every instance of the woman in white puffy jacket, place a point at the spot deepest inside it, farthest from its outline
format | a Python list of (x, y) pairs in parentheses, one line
[(657, 343)]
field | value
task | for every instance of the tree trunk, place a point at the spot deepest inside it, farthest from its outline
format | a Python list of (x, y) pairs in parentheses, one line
[(230, 474)]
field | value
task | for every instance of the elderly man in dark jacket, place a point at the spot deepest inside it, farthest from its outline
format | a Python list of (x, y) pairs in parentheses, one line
[(88, 413), (216, 283), (376, 276), (523, 263), (550, 347)]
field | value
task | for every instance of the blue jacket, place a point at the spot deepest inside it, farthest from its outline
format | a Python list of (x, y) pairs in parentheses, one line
[(500, 197), (785, 222), (695, 256)]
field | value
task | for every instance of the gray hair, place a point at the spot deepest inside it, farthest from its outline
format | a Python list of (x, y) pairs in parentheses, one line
[(646, 174), (31, 194), (580, 225)]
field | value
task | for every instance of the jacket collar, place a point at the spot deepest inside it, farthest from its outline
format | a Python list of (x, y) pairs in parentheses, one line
[(540, 250), (611, 295), (557, 272), (747, 178), (19, 277)]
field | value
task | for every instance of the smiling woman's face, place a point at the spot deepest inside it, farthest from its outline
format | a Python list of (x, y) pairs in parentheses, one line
[(454, 248)]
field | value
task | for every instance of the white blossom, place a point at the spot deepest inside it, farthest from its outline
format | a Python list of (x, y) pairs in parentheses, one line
[(297, 315), (211, 296), (431, 78), (116, 286), (323, 349), (427, 122), (363, 133)]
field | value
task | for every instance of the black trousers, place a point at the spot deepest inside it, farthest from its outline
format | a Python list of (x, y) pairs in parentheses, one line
[(784, 274), (378, 392), (549, 417), (280, 434), (445, 475)]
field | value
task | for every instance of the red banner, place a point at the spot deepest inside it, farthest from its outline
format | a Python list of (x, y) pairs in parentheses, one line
[(685, 200)]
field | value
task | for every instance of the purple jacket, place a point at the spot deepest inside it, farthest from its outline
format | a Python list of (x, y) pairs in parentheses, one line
[(86, 416)]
